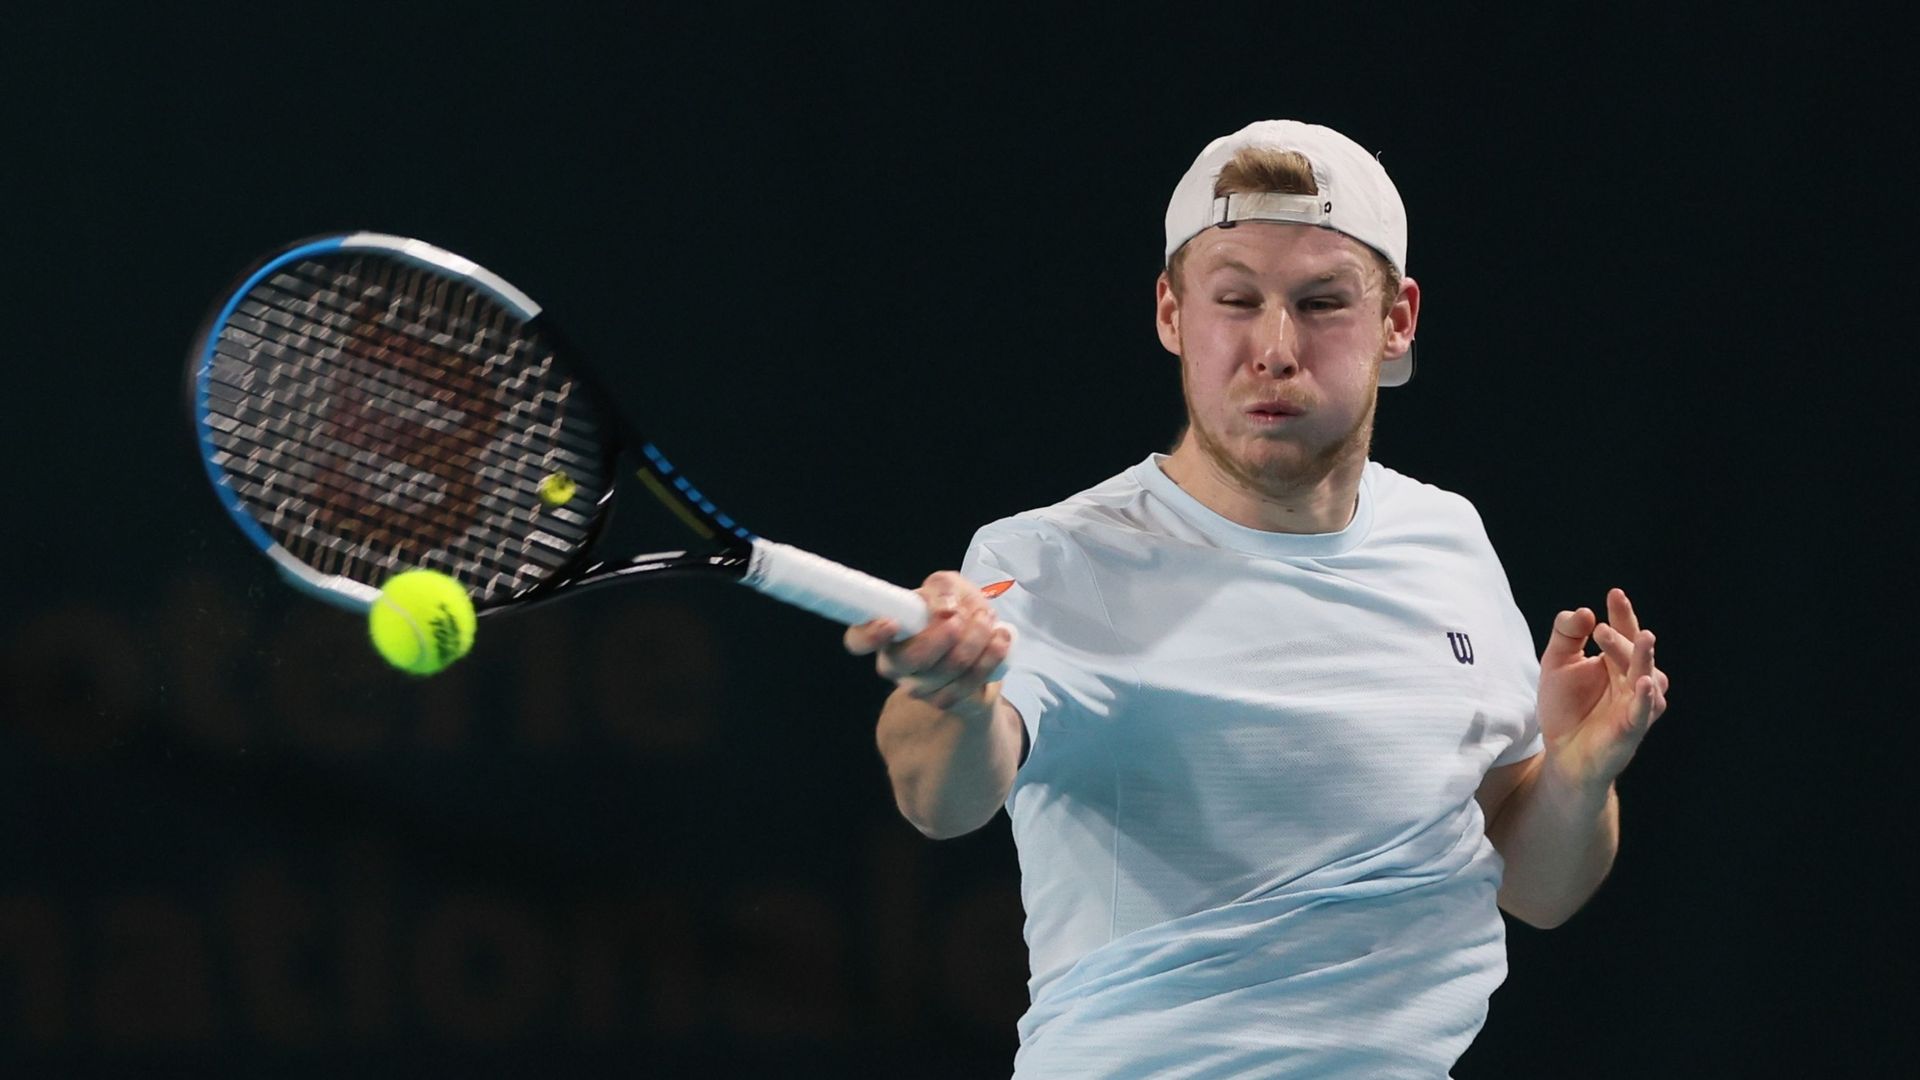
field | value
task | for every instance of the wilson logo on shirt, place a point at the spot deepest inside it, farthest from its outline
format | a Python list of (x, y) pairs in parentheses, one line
[(1462, 646), (996, 588)]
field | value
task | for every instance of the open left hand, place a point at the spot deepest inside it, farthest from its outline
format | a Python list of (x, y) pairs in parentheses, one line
[(1594, 710)]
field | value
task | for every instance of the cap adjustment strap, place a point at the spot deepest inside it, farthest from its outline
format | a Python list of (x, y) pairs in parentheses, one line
[(1272, 206)]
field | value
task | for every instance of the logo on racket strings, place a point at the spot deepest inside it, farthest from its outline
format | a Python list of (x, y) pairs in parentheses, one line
[(388, 385)]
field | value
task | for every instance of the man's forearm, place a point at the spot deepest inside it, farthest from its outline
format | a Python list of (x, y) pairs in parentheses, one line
[(1558, 842), (951, 771)]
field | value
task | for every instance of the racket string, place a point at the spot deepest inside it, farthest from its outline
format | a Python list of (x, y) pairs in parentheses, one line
[(400, 419), (364, 463), (491, 363)]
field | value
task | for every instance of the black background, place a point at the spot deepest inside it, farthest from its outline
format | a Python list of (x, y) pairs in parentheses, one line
[(877, 278)]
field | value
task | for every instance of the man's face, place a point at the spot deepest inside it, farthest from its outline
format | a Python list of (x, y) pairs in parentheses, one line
[(1280, 332)]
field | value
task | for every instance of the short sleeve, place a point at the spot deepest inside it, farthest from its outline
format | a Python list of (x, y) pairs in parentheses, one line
[(1042, 585), (1518, 685), (1514, 678)]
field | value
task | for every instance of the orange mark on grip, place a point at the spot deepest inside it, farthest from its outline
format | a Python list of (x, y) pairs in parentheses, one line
[(997, 588)]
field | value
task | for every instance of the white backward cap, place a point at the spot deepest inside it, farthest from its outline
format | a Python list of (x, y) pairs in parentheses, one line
[(1356, 198)]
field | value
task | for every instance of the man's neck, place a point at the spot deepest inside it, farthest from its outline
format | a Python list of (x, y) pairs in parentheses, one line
[(1325, 505)]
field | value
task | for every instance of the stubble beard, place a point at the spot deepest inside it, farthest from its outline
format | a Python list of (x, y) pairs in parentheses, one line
[(1285, 478)]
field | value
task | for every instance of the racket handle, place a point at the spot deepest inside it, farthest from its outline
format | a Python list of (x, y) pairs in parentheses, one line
[(840, 593), (824, 587)]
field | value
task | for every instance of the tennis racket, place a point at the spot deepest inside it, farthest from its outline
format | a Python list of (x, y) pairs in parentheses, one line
[(367, 404)]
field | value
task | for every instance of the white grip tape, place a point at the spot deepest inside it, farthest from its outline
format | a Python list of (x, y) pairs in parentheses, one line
[(824, 587), (840, 593)]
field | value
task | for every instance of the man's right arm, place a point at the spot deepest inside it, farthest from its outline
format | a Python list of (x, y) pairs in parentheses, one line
[(951, 743), (952, 768)]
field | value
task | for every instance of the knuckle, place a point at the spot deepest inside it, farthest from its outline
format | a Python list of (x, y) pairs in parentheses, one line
[(971, 645), (945, 582)]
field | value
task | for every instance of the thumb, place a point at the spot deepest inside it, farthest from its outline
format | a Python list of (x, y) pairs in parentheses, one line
[(1568, 642)]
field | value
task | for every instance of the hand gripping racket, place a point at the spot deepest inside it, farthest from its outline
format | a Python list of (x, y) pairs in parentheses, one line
[(367, 404)]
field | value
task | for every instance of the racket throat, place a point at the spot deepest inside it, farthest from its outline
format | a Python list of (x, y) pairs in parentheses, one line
[(732, 562), (653, 566)]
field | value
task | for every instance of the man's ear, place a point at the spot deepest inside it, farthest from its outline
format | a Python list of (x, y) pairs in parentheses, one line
[(1402, 318), (1166, 313)]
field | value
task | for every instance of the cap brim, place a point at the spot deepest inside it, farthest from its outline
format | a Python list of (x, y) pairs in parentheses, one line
[(1397, 372)]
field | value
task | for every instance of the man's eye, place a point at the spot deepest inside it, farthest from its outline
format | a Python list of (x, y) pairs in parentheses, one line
[(1322, 303), (1236, 301)]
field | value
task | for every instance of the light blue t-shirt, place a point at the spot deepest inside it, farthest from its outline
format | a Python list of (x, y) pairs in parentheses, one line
[(1248, 838)]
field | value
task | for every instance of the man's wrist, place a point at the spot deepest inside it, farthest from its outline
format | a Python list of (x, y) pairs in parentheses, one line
[(1568, 793)]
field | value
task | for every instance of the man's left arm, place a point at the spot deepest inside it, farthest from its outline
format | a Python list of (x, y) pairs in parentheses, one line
[(1555, 818)]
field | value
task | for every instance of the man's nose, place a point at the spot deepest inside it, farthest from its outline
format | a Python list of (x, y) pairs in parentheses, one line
[(1277, 343)]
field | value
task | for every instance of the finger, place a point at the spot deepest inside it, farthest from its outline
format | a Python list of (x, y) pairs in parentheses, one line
[(976, 677), (937, 655), (940, 603), (972, 605), (1642, 657), (923, 650), (957, 663), (1568, 642), (1615, 647), (869, 636), (1640, 716), (925, 682), (969, 602), (1620, 613), (944, 590), (977, 630), (948, 591)]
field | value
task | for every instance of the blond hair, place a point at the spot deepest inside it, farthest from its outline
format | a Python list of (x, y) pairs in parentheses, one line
[(1283, 172)]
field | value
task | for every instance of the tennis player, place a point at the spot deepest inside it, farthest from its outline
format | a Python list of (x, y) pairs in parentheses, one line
[(1274, 742)]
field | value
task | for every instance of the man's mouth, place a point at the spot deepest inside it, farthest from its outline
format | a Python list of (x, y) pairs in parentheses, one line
[(1273, 412)]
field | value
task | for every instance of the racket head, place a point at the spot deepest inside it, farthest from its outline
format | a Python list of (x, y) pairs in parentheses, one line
[(367, 403)]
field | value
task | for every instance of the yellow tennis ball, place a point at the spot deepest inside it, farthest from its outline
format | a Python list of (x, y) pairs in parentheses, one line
[(556, 488), (422, 621)]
